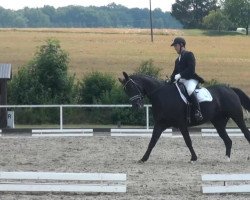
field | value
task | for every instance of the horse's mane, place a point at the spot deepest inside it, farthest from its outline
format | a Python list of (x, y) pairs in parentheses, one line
[(148, 77)]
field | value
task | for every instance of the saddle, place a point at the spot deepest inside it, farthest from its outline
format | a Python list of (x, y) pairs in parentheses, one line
[(202, 95)]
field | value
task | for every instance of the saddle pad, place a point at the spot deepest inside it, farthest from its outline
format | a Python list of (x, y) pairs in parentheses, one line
[(202, 94)]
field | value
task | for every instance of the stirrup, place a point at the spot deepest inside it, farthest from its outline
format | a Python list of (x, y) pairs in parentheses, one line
[(198, 115)]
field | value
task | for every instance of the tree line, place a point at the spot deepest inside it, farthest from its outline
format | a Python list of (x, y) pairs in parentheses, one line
[(213, 14), (112, 15), (208, 14)]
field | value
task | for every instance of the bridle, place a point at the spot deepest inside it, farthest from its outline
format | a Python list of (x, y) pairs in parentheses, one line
[(137, 96)]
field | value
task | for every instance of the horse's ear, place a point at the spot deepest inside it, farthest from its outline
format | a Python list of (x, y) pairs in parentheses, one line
[(125, 75), (121, 80)]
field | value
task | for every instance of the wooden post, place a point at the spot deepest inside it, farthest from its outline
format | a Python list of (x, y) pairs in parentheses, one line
[(151, 23), (5, 75), (3, 101)]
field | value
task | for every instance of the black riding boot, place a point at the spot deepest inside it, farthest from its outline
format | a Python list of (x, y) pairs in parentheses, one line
[(197, 114)]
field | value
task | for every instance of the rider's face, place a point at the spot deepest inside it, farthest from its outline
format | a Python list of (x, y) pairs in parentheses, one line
[(177, 48)]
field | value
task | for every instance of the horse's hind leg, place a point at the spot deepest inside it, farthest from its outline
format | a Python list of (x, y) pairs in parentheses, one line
[(220, 125), (241, 124)]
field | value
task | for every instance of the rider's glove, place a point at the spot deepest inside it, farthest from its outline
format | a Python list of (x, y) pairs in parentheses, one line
[(177, 77)]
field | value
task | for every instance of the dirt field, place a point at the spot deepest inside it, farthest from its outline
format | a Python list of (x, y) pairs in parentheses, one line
[(166, 175)]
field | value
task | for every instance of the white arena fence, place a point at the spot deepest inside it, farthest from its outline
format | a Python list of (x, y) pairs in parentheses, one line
[(61, 107), (140, 132)]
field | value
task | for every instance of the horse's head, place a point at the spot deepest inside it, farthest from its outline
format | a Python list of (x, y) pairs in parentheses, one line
[(133, 90)]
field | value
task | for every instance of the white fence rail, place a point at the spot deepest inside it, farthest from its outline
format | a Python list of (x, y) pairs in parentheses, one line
[(61, 107), (62, 182)]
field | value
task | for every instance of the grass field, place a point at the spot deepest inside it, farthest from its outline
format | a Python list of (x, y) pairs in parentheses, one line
[(225, 58)]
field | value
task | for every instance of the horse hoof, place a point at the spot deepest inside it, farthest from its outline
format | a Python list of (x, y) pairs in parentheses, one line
[(227, 159), (140, 161), (192, 161)]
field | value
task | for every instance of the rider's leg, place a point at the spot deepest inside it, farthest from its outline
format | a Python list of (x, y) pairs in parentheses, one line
[(198, 115), (190, 86)]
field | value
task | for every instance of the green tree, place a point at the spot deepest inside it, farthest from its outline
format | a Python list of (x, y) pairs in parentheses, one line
[(19, 22), (9, 18), (216, 20), (50, 12), (238, 12), (51, 68), (36, 18), (94, 86), (190, 13), (148, 68), (45, 79)]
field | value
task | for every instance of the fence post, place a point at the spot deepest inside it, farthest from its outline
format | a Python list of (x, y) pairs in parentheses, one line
[(147, 116), (61, 117)]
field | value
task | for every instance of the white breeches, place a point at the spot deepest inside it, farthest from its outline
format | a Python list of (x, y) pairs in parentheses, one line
[(189, 84)]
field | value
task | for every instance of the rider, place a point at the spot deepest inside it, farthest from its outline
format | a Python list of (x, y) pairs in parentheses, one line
[(184, 72)]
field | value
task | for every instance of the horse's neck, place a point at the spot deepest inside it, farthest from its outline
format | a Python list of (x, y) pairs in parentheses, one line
[(151, 86)]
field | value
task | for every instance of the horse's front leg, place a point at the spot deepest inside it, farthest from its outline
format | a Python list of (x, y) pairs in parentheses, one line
[(186, 136), (158, 129)]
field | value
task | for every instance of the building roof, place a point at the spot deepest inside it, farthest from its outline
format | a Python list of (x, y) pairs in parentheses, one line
[(5, 71)]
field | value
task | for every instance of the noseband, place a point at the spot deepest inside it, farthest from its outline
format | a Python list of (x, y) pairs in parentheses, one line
[(135, 97)]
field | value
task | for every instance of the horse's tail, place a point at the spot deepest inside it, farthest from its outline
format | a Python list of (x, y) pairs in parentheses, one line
[(244, 99)]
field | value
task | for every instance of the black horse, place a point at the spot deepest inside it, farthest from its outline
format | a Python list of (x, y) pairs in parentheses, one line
[(169, 110)]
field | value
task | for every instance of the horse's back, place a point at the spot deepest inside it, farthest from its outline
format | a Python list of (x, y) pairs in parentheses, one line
[(221, 91), (224, 96)]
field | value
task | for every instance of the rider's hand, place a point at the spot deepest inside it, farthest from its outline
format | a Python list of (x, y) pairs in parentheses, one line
[(177, 77)]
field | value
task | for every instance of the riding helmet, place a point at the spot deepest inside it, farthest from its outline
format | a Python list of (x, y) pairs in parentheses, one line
[(179, 40)]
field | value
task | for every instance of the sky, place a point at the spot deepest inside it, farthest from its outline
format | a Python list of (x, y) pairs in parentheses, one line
[(164, 5)]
